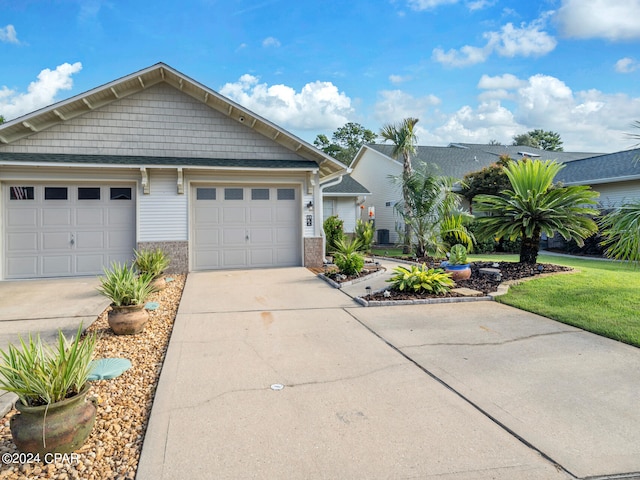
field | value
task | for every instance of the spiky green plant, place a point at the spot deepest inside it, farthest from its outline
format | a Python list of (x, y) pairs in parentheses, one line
[(621, 229), (153, 262), (421, 279), (124, 287), (364, 234), (347, 257), (458, 255), (42, 374), (534, 205)]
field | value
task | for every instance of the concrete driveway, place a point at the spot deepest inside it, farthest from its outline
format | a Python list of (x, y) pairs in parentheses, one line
[(44, 306), (456, 391)]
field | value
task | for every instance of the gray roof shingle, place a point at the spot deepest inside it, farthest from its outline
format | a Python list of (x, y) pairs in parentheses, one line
[(617, 166), (347, 186)]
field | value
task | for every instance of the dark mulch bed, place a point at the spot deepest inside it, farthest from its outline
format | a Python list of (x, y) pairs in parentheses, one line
[(481, 283)]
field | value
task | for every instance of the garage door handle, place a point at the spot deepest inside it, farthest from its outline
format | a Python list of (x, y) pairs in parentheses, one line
[(73, 241)]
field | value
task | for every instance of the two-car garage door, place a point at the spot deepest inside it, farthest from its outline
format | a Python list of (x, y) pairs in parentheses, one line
[(245, 226), (66, 229)]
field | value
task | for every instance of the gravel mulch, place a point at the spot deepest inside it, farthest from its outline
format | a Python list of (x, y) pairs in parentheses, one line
[(123, 404)]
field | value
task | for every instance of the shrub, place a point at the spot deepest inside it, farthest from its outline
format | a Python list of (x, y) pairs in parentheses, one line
[(333, 231), (421, 280), (458, 255), (347, 258), (487, 245), (364, 234), (42, 374), (153, 262), (124, 287)]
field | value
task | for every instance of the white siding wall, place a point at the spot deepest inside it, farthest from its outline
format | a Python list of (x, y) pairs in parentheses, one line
[(373, 172), (162, 214), (309, 231), (160, 121), (346, 210), (615, 194)]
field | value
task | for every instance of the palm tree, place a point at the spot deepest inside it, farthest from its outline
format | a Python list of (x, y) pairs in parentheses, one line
[(404, 140), (534, 205), (432, 212), (621, 229)]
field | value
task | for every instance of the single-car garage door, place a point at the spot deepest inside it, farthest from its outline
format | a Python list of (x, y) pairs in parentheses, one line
[(245, 226), (66, 229)]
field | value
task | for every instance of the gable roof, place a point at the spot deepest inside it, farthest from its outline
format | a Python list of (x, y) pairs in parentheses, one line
[(457, 160), (613, 167), (347, 187), (78, 105)]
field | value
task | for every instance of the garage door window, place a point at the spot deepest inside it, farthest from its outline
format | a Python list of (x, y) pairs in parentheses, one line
[(21, 193), (259, 194), (205, 193), (55, 193), (286, 194), (120, 193), (233, 194), (89, 193)]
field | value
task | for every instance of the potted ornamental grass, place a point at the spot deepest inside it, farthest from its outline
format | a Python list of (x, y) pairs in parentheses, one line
[(457, 265), (128, 292), (154, 263), (50, 381)]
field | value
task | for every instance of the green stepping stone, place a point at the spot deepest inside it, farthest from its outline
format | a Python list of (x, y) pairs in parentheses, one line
[(152, 306), (108, 368)]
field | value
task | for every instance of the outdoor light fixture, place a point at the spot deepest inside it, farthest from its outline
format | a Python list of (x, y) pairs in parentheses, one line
[(310, 205)]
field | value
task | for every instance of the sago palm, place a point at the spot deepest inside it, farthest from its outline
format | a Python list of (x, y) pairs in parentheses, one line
[(534, 205), (621, 229)]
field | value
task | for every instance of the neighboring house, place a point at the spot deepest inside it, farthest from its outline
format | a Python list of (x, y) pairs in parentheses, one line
[(345, 198), (156, 159), (616, 176), (374, 166)]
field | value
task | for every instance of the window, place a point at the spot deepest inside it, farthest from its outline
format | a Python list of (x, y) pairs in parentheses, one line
[(120, 193), (88, 193), (205, 193), (286, 194), (55, 193), (21, 193), (233, 194), (259, 194)]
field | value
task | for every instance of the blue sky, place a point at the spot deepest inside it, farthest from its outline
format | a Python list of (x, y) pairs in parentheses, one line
[(470, 70)]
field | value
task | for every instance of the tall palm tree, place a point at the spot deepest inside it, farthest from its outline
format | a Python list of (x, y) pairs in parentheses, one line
[(403, 137), (434, 212), (534, 205)]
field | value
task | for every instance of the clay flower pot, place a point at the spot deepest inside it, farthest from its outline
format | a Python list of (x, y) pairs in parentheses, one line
[(127, 320), (60, 427), (458, 272)]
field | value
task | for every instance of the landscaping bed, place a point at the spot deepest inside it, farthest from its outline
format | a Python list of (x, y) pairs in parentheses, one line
[(123, 404), (510, 271)]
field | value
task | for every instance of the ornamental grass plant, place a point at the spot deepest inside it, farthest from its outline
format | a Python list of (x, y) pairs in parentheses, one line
[(124, 287), (42, 374), (153, 262)]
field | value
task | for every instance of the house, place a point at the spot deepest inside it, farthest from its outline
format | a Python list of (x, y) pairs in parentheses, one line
[(616, 176), (374, 165), (156, 159), (345, 198)]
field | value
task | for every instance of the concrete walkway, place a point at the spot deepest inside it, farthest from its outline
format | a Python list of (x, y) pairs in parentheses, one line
[(456, 391)]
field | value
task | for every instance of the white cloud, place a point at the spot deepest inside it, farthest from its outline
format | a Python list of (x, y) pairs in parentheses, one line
[(395, 79), (8, 34), (627, 65), (588, 120), (610, 19), (526, 40), (271, 42), (394, 105), (40, 93), (317, 106), (420, 5), (480, 4)]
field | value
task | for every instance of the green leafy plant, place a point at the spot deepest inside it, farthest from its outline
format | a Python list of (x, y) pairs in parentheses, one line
[(347, 257), (42, 374), (333, 231), (364, 234), (621, 229), (153, 262), (124, 287), (458, 255), (421, 279)]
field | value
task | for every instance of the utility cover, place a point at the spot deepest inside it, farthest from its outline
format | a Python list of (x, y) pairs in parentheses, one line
[(108, 368), (152, 305)]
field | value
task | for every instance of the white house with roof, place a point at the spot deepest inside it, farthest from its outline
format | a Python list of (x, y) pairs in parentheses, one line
[(344, 197), (374, 165), (156, 159)]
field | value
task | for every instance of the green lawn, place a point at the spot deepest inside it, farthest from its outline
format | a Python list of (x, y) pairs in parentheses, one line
[(601, 297)]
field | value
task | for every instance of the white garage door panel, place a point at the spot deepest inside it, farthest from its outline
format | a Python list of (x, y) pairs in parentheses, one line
[(72, 236), (245, 227)]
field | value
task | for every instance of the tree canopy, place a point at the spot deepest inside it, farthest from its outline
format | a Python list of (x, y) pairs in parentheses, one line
[(345, 141), (1, 119), (538, 138), (490, 180)]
